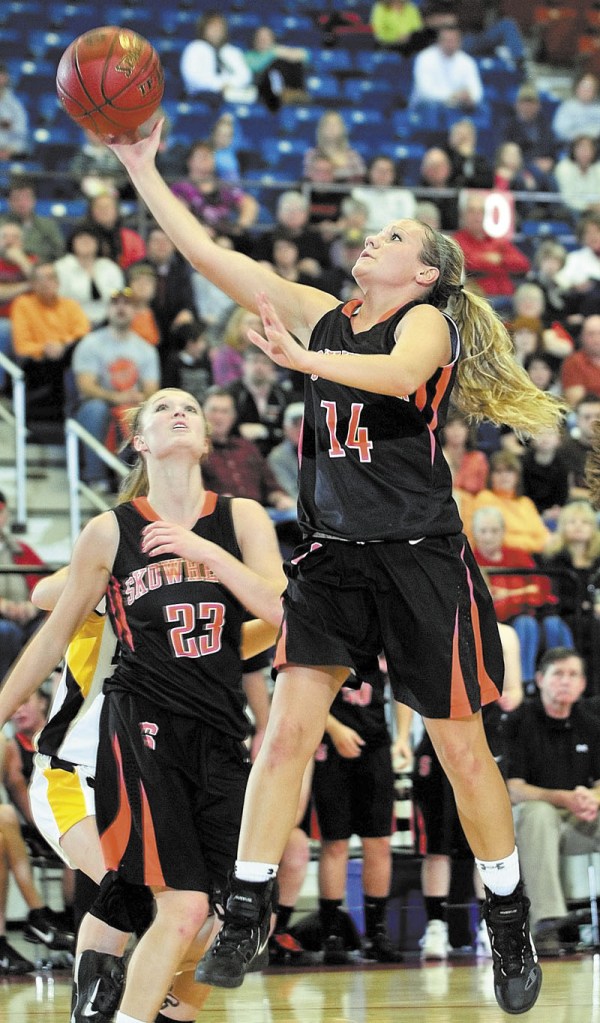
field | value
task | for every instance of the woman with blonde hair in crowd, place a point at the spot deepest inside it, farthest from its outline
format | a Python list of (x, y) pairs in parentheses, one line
[(228, 357), (332, 141), (384, 564), (573, 559)]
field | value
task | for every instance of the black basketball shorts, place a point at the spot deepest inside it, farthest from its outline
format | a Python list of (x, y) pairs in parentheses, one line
[(169, 795), (424, 603), (354, 796)]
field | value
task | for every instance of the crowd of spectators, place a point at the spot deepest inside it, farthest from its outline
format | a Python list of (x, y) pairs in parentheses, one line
[(105, 312)]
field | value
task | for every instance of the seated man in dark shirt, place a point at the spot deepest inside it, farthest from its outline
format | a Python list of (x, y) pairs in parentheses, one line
[(553, 771)]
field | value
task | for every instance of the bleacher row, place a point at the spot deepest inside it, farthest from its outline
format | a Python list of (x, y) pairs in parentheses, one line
[(369, 86)]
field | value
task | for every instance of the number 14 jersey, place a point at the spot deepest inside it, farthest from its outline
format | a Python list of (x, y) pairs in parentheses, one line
[(371, 466)]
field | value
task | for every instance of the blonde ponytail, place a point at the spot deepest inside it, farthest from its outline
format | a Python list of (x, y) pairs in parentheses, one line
[(490, 383)]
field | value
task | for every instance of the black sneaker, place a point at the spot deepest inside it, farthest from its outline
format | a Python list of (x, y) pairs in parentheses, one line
[(243, 937), (335, 952), (98, 986), (380, 948), (41, 928), (12, 962), (517, 973)]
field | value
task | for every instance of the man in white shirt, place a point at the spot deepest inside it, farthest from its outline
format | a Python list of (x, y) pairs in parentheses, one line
[(445, 74)]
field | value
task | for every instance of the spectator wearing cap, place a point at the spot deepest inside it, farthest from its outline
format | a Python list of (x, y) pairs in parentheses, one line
[(114, 369), (283, 458), (14, 126), (45, 327), (19, 618), (142, 279), (188, 363), (87, 277), (529, 126)]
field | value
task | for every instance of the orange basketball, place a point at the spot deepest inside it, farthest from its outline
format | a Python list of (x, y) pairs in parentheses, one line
[(110, 80)]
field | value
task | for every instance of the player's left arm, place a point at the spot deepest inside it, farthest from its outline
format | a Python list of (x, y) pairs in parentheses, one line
[(422, 346)]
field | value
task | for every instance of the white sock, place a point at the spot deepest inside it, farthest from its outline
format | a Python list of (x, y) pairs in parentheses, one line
[(122, 1017), (501, 877), (250, 870)]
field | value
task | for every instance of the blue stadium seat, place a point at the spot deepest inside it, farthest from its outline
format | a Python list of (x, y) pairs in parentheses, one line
[(75, 18), (545, 228), (177, 22), (71, 208), (16, 11), (328, 62), (294, 29), (300, 119), (12, 41), (128, 17), (369, 90), (47, 107), (325, 88), (283, 157)]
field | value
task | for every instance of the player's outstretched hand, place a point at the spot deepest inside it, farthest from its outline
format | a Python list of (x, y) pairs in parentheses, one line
[(137, 154), (278, 343)]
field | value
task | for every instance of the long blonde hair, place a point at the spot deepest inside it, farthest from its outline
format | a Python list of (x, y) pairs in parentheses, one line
[(490, 383), (558, 541)]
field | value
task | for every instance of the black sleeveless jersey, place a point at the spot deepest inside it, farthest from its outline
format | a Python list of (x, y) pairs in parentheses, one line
[(178, 627), (371, 465)]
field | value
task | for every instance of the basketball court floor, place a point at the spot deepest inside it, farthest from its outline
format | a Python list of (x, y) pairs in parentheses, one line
[(458, 992)]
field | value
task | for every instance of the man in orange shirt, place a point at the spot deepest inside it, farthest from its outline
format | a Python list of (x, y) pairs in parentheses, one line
[(45, 327)]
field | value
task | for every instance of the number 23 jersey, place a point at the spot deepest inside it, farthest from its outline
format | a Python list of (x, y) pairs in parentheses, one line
[(178, 627), (371, 466)]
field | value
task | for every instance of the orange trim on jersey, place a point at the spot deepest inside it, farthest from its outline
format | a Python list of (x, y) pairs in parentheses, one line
[(143, 506), (350, 307), (460, 706), (459, 701), (115, 838), (153, 874)]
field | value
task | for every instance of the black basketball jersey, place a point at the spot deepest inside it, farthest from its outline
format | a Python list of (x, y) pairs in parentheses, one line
[(179, 628), (371, 465)]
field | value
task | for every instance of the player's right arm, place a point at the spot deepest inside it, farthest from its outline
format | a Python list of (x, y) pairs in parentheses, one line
[(86, 583), (240, 277)]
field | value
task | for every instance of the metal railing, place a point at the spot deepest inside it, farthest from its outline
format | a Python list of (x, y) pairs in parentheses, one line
[(74, 435), (16, 420)]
